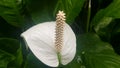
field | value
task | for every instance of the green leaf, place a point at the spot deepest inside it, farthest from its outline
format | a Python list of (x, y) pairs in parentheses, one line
[(115, 38), (5, 58), (95, 53), (12, 46), (45, 10), (117, 28), (41, 10), (18, 60), (72, 8), (104, 17), (10, 12), (76, 63), (9, 45), (33, 62)]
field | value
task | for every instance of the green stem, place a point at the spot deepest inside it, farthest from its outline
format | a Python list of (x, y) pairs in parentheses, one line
[(88, 16), (59, 59)]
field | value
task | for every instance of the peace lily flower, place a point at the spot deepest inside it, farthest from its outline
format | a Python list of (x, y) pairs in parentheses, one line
[(53, 43)]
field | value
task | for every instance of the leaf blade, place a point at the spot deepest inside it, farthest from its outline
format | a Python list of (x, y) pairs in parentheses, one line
[(10, 12), (97, 54)]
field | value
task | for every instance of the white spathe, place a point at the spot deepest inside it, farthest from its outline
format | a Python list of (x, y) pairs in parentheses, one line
[(41, 41)]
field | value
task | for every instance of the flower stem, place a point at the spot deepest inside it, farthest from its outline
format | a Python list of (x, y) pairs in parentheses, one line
[(59, 58), (88, 16)]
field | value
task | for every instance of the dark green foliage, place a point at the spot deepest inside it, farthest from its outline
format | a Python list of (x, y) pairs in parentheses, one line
[(10, 52)]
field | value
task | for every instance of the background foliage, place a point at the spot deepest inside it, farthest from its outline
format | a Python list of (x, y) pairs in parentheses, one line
[(97, 30)]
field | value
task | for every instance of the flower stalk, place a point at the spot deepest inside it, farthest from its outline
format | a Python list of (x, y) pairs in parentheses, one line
[(60, 21), (88, 16)]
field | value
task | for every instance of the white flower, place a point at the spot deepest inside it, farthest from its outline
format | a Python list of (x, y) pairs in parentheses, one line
[(41, 39)]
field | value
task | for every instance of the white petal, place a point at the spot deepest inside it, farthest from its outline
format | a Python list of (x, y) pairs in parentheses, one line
[(40, 39), (69, 45)]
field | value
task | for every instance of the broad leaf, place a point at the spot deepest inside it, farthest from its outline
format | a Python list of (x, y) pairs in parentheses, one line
[(9, 45), (45, 10), (5, 58), (117, 28), (10, 12), (104, 17), (71, 7), (115, 38), (41, 10), (97, 54), (12, 46), (33, 62), (18, 60), (76, 63)]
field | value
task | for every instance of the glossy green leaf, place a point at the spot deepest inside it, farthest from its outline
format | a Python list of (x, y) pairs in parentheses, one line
[(45, 10), (5, 58), (12, 46), (95, 53), (115, 38), (33, 62), (41, 10), (18, 60), (9, 45), (104, 17), (71, 7), (9, 10), (76, 62), (117, 28)]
